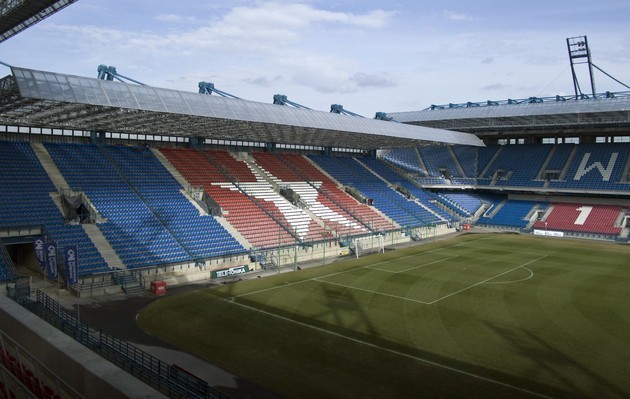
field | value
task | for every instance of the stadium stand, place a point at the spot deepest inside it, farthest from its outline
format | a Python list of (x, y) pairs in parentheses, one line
[(132, 229), (510, 168), (582, 218), (149, 222), (596, 167), (601, 166), (467, 157), (26, 376), (25, 200), (438, 161), (405, 158), (333, 219), (559, 156), (427, 198), (511, 214), (231, 184), (465, 203), (5, 273), (392, 203), (342, 212), (201, 236)]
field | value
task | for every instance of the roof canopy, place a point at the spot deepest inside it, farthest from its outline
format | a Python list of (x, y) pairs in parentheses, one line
[(601, 112), (54, 100), (17, 15)]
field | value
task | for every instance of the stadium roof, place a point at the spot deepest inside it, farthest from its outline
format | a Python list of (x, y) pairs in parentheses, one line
[(592, 112), (53, 100), (17, 15)]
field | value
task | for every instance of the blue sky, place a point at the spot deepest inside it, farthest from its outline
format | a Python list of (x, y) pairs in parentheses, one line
[(367, 55)]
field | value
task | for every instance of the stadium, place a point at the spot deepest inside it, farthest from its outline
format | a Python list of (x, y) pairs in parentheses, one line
[(473, 249)]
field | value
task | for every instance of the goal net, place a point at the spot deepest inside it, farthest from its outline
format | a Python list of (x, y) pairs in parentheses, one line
[(368, 245)]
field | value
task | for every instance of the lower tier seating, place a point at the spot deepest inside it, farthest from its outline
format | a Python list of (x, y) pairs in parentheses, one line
[(584, 218)]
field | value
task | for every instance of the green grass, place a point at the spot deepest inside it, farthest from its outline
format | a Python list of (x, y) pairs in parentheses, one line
[(474, 316)]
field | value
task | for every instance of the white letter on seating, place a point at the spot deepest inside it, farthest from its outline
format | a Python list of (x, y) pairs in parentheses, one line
[(605, 172)]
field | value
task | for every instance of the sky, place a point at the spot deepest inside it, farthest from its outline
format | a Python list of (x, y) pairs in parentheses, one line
[(369, 56)]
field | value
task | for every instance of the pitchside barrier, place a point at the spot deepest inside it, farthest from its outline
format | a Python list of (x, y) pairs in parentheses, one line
[(168, 379)]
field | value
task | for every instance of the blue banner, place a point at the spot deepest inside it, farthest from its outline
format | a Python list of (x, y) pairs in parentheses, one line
[(38, 243), (71, 258), (51, 259)]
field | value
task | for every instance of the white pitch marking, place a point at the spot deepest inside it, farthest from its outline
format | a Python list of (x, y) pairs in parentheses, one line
[(531, 274), (373, 292), (349, 270), (488, 279), (415, 267), (393, 351)]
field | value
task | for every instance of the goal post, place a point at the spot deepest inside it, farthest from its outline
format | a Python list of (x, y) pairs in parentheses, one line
[(369, 245)]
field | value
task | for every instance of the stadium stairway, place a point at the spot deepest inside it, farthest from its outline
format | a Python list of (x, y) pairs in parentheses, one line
[(337, 199), (217, 172), (182, 180), (170, 168), (278, 172), (50, 166), (95, 235), (424, 199), (103, 246)]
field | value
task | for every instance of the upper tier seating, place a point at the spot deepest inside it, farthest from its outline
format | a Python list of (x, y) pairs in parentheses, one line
[(559, 156), (438, 159), (467, 157), (517, 169), (597, 167), (25, 200), (604, 166), (583, 218), (405, 158)]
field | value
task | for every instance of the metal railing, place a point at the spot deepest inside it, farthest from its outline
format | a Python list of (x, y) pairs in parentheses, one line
[(169, 379)]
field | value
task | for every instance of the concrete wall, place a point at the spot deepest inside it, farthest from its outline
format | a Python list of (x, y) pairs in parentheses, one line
[(82, 369)]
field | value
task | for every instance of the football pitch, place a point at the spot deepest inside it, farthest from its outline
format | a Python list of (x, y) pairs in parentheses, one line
[(479, 315)]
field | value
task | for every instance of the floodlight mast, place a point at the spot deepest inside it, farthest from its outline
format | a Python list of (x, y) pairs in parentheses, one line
[(578, 51), (109, 73), (208, 88)]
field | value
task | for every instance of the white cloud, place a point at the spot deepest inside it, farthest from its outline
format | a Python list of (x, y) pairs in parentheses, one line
[(172, 18), (363, 79), (319, 52), (455, 16), (495, 86)]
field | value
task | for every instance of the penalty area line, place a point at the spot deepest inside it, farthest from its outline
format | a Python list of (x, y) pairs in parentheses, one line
[(531, 274), (369, 266), (395, 352), (373, 292), (488, 279)]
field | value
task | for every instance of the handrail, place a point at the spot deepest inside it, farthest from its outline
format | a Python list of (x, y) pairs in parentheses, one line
[(234, 180), (169, 379)]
